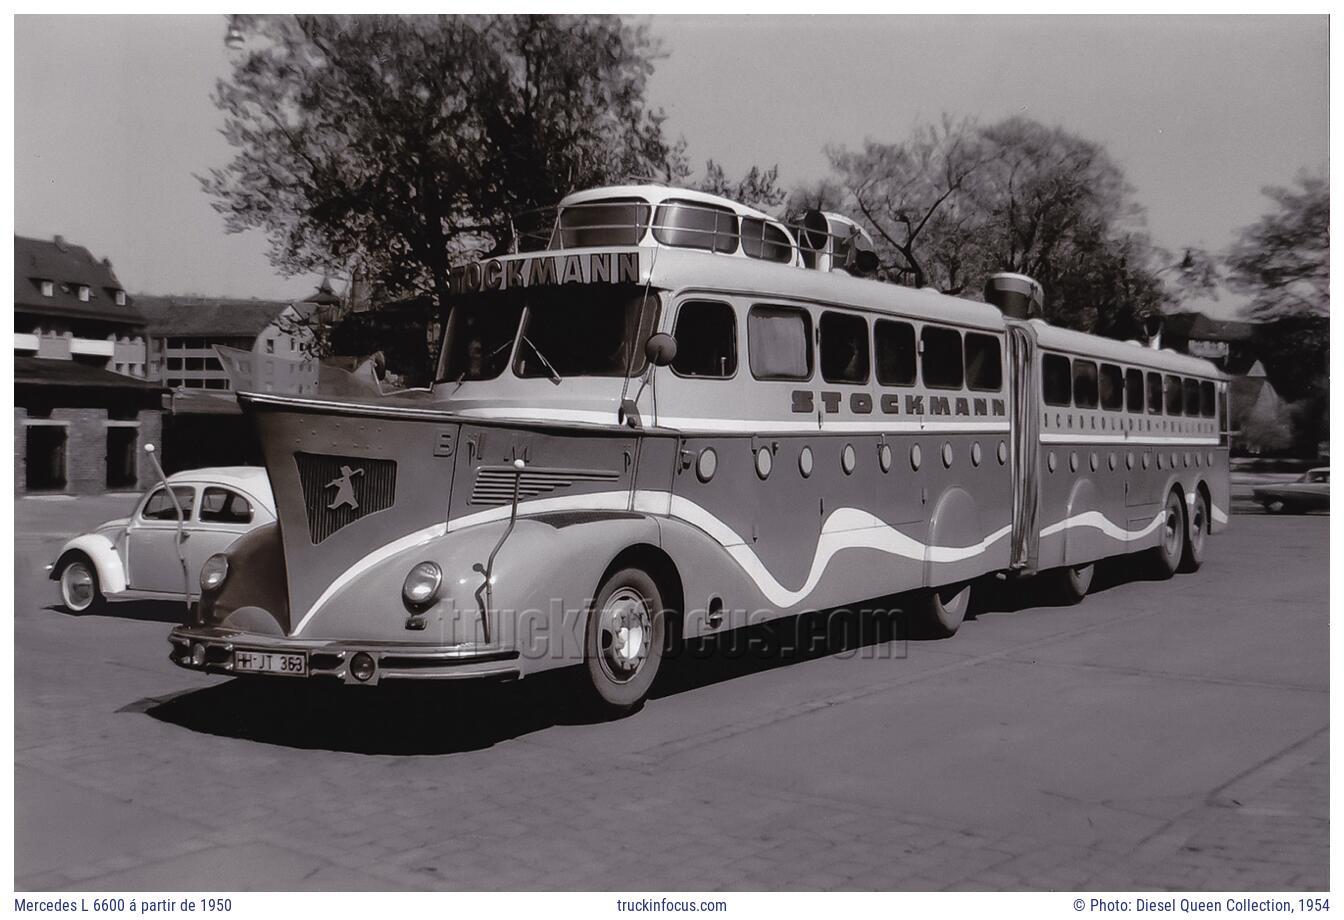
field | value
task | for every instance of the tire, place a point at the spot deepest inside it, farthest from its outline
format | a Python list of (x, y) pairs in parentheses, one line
[(1167, 554), (80, 591), (1070, 584), (938, 612), (1198, 531), (624, 641), (1274, 506)]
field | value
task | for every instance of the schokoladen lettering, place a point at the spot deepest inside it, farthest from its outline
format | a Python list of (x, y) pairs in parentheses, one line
[(831, 402), (511, 272)]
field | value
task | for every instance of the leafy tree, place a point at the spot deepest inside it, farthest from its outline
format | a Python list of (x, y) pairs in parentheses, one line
[(758, 189), (1284, 257), (390, 145)]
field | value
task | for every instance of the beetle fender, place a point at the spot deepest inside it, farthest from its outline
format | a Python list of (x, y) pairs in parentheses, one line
[(103, 554)]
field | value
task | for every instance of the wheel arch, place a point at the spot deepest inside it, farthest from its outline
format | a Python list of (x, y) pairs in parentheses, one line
[(102, 554), (659, 565)]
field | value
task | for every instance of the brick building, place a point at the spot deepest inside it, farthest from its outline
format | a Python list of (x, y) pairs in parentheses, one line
[(83, 408)]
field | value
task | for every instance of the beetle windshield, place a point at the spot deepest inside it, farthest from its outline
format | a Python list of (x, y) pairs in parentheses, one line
[(556, 333)]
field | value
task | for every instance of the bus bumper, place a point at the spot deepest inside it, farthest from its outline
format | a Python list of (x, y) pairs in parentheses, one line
[(217, 650)]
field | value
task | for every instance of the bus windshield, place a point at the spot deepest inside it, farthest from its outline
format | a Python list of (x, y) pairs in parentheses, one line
[(556, 333)]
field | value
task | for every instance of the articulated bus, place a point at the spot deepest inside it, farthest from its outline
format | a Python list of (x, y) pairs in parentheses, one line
[(671, 412)]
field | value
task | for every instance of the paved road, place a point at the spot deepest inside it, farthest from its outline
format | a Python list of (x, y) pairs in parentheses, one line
[(1160, 735)]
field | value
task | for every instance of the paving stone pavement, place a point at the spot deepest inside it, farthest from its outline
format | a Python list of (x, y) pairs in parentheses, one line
[(823, 774)]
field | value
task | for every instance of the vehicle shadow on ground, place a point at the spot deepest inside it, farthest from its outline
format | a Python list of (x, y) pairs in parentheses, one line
[(172, 612), (445, 718)]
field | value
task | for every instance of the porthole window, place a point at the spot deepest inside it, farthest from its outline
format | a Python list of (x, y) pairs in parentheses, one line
[(975, 454), (847, 459), (1073, 461), (884, 457), (1050, 462), (1129, 460), (916, 457), (1003, 452), (805, 462), (1173, 460), (1093, 462), (1187, 459), (764, 462), (1145, 461), (1159, 461), (947, 454), (1210, 458), (1110, 460), (707, 464)]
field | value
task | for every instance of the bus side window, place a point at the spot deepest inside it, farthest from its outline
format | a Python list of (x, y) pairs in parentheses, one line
[(844, 347), (1055, 380), (1191, 397), (1084, 384), (706, 334), (1206, 400), (779, 343), (894, 347), (941, 357), (1134, 390), (1154, 394), (1111, 387), (1173, 395), (984, 366)]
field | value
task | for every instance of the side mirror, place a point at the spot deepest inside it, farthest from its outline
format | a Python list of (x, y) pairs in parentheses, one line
[(660, 349)]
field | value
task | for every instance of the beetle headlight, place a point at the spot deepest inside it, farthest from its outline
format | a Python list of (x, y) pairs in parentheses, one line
[(422, 585), (213, 573)]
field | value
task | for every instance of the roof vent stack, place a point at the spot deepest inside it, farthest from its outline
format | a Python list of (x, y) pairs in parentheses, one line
[(833, 241), (1016, 296)]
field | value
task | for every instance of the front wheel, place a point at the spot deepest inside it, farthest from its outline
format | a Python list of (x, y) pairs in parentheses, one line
[(1167, 555), (80, 592), (939, 612), (624, 640), (1193, 557)]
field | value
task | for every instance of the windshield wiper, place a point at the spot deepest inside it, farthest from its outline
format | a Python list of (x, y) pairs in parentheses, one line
[(555, 375)]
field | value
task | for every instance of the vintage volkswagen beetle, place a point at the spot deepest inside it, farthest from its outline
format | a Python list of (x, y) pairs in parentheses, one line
[(142, 557)]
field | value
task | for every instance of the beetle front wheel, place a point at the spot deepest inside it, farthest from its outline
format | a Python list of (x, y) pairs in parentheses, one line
[(80, 592)]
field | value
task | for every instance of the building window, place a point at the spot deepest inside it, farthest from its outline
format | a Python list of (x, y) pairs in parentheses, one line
[(706, 334), (844, 348), (84, 293), (270, 346), (174, 364), (779, 342), (48, 289), (44, 457), (120, 297), (121, 457)]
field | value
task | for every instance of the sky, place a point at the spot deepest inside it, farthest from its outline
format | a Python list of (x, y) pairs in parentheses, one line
[(1200, 113)]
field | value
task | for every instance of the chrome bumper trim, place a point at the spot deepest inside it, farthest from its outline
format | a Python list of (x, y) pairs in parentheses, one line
[(329, 659)]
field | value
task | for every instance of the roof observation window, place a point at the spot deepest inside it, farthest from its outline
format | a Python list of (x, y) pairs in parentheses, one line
[(762, 239), (1111, 387), (779, 343), (941, 361), (691, 225), (844, 348), (984, 366), (609, 222), (894, 347), (1056, 381), (706, 334)]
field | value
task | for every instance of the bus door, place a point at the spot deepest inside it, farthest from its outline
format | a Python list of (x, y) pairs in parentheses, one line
[(1025, 455)]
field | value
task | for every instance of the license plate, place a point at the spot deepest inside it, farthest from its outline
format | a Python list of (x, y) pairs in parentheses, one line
[(283, 663)]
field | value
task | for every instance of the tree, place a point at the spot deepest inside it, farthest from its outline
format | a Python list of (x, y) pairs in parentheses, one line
[(1283, 259), (757, 189), (397, 143)]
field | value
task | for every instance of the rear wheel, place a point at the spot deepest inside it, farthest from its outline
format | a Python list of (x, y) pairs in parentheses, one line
[(80, 592), (624, 640), (938, 612), (1274, 506), (1069, 585), (1193, 557), (1167, 555)]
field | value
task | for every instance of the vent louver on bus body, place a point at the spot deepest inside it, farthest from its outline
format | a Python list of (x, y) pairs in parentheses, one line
[(494, 484)]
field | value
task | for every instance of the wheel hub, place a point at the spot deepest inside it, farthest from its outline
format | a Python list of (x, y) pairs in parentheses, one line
[(626, 630), (78, 585)]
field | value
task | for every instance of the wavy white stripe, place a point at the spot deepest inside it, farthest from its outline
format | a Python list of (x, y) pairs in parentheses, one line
[(1099, 521)]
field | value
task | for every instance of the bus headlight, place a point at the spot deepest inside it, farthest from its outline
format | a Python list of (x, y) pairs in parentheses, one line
[(213, 573), (421, 585)]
